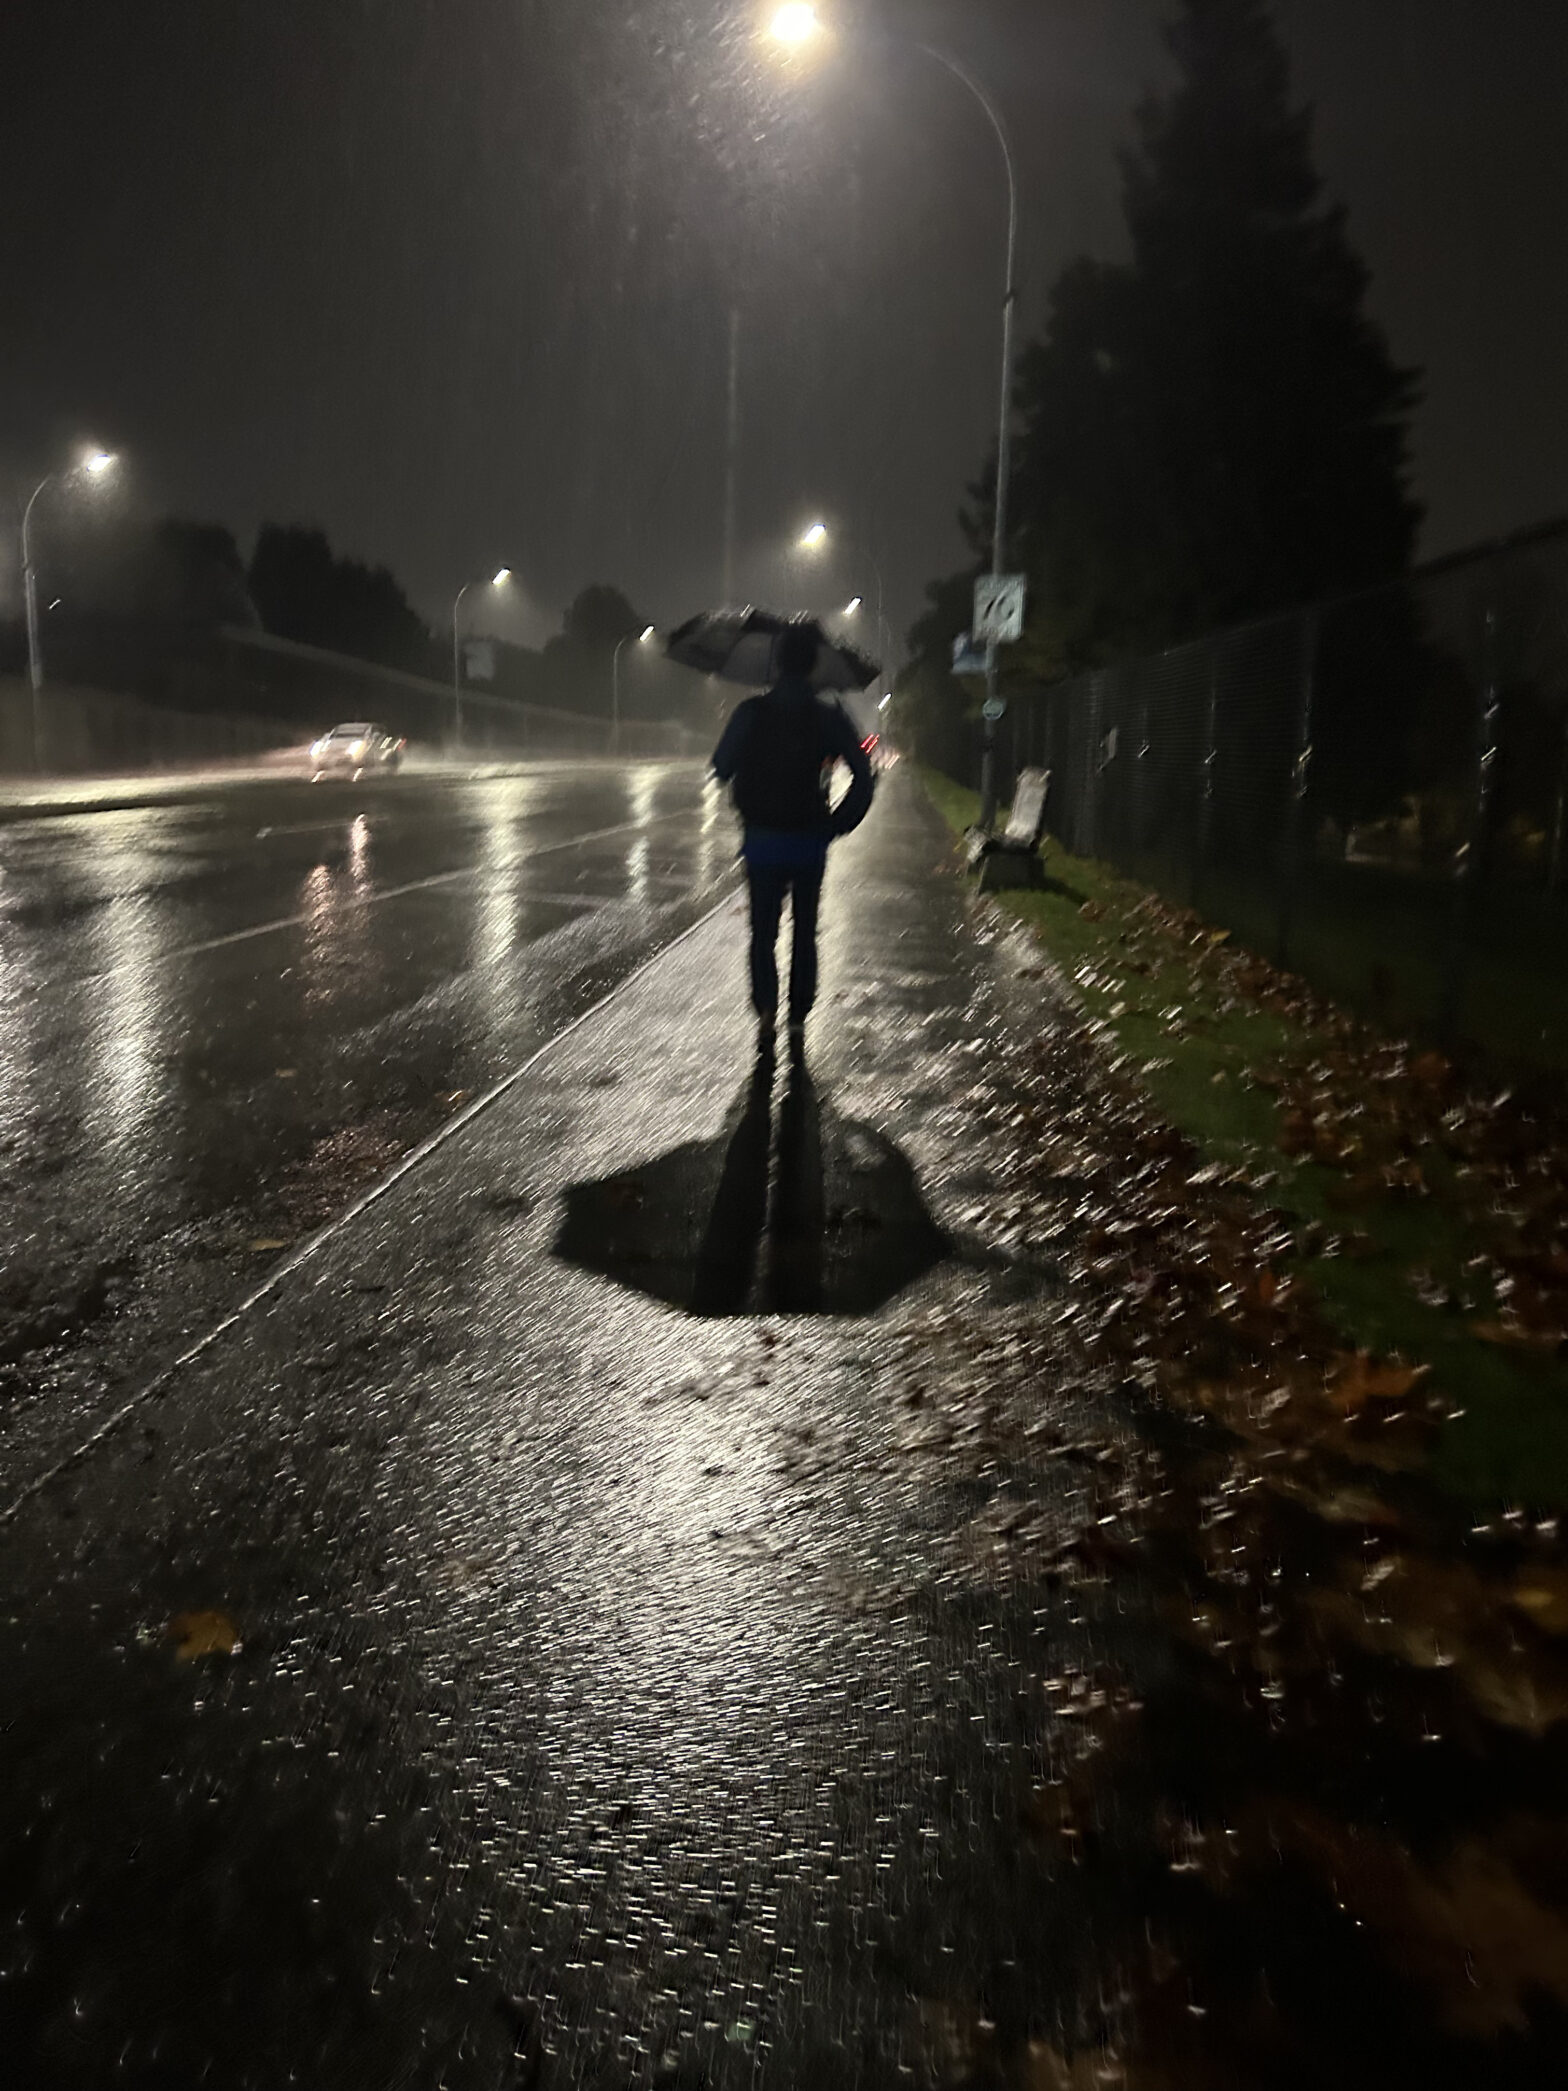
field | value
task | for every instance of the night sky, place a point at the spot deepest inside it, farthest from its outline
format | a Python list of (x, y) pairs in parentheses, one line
[(451, 277)]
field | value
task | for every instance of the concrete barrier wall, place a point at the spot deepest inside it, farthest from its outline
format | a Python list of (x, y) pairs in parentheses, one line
[(133, 697), (86, 732)]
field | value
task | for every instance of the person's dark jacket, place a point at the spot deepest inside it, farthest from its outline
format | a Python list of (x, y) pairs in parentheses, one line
[(778, 751)]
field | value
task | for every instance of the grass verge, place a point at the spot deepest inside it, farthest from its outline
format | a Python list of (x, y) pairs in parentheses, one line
[(1407, 1248)]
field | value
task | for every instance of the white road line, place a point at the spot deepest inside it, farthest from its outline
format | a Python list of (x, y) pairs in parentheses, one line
[(315, 1243), (370, 900)]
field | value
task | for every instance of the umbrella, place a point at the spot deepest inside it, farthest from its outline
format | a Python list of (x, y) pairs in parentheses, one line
[(739, 646)]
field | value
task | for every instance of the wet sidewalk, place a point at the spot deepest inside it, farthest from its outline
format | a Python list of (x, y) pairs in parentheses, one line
[(556, 1636)]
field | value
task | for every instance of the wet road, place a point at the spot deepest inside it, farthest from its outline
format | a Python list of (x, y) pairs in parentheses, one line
[(221, 1020), (486, 1663)]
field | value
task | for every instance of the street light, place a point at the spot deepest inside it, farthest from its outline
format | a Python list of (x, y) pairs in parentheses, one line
[(814, 539), (648, 632), (499, 580), (798, 24), (92, 463)]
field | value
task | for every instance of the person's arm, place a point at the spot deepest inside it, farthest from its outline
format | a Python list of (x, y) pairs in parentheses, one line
[(726, 756), (852, 809)]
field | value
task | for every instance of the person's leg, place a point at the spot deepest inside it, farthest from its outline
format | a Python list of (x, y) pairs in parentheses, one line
[(806, 896), (767, 903)]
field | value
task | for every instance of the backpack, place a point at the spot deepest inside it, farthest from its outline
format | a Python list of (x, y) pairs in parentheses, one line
[(781, 778)]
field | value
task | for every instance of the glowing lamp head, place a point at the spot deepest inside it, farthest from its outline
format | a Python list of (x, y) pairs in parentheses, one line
[(815, 538), (852, 605), (796, 24), (98, 462), (502, 577), (650, 633)]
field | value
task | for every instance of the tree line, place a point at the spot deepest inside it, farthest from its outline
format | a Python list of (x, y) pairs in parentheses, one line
[(122, 580), (1208, 432)]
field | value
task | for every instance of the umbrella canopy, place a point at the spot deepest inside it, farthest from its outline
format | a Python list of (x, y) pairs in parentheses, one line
[(740, 646)]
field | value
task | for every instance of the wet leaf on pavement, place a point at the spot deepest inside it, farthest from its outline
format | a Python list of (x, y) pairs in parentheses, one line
[(196, 1634)]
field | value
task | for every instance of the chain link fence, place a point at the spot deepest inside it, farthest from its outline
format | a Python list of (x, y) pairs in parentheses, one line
[(1372, 792)]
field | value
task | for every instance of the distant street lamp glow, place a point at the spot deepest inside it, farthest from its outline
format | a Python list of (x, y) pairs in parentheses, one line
[(853, 605), (648, 632), (797, 23), (94, 463), (499, 579), (815, 538), (885, 702)]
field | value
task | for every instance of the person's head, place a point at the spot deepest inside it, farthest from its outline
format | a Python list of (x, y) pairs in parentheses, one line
[(797, 650)]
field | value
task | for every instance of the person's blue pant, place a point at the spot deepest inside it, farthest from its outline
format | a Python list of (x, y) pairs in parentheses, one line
[(769, 883)]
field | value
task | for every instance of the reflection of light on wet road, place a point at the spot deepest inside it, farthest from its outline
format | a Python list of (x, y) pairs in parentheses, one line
[(337, 930), (132, 1032), (637, 869), (642, 791), (20, 1006), (504, 814), (130, 1035)]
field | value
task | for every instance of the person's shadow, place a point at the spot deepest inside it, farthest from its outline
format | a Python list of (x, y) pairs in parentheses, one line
[(825, 1219)]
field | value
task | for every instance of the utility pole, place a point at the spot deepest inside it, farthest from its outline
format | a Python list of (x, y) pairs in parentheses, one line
[(731, 461)]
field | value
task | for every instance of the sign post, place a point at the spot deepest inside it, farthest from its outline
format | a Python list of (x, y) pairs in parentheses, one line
[(1000, 602)]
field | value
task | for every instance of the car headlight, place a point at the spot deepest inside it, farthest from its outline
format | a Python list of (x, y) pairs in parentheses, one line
[(359, 748)]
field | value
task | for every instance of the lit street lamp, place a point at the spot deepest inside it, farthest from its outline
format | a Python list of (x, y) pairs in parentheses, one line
[(497, 580), (798, 25), (93, 465), (814, 540), (642, 638)]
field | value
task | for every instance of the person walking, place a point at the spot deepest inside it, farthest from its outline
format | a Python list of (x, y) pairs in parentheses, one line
[(778, 752)]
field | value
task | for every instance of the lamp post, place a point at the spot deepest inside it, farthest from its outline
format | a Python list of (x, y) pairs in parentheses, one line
[(498, 580), (648, 632), (95, 463), (815, 539), (797, 25)]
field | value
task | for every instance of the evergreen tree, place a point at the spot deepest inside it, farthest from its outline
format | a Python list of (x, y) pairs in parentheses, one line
[(304, 591), (1214, 430)]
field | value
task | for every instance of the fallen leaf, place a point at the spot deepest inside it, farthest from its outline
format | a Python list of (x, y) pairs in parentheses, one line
[(1431, 1070), (1048, 2069), (1467, 1930), (1358, 1380), (1543, 1597), (196, 1634), (1515, 1335)]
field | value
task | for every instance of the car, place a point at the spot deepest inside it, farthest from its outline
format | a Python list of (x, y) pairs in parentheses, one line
[(353, 749)]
